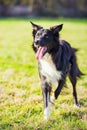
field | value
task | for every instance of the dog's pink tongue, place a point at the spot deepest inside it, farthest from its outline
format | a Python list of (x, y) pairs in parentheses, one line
[(40, 53)]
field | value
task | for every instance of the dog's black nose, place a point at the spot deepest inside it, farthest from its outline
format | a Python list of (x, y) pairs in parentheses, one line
[(37, 42)]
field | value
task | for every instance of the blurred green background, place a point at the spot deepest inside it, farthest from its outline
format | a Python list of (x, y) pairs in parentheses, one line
[(50, 8)]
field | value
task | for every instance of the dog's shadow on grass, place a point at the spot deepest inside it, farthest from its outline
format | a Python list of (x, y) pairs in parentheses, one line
[(83, 102), (79, 113)]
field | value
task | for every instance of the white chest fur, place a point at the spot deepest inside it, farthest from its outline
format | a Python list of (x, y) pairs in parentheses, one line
[(49, 70)]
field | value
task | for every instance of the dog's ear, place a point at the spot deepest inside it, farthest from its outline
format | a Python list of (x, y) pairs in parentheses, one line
[(35, 28), (56, 29)]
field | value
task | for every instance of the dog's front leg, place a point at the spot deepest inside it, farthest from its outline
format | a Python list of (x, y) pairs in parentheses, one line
[(46, 98), (59, 88)]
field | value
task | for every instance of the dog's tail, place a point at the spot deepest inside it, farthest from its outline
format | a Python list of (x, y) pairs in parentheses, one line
[(75, 49), (75, 68), (79, 73)]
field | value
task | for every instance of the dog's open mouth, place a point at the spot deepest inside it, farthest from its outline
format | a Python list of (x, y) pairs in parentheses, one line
[(40, 52)]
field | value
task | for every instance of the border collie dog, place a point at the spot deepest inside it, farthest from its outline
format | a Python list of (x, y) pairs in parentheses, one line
[(56, 60)]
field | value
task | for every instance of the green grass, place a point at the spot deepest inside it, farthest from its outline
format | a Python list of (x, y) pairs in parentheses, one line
[(21, 105)]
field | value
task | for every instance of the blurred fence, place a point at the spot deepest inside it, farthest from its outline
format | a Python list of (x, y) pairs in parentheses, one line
[(65, 8)]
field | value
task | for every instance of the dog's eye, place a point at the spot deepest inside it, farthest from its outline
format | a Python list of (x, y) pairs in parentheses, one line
[(46, 36), (38, 34)]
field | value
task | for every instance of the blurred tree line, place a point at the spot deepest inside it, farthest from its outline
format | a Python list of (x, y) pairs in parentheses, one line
[(68, 8)]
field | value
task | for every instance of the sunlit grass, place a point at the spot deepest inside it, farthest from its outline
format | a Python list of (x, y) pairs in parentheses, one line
[(21, 104)]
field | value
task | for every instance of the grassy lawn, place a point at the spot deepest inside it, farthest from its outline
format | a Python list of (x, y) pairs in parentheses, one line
[(21, 105)]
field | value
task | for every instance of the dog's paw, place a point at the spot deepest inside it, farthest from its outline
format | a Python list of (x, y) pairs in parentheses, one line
[(52, 99), (76, 106), (46, 113), (46, 118)]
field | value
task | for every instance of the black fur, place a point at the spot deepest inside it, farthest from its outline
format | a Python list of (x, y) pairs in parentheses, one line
[(63, 56)]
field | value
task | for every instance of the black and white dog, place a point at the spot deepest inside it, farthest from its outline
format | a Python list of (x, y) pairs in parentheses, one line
[(56, 60)]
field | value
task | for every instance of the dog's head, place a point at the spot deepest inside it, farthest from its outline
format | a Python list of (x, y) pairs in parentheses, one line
[(45, 39)]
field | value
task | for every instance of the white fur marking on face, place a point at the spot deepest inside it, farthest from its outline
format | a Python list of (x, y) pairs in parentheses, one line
[(49, 70)]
